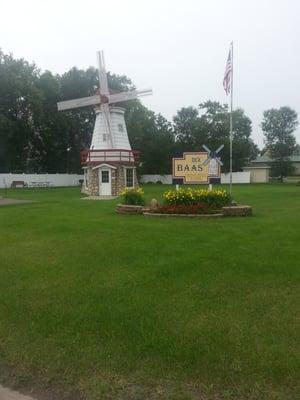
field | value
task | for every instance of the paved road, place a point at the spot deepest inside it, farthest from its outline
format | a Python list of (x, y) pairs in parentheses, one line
[(7, 202), (7, 394)]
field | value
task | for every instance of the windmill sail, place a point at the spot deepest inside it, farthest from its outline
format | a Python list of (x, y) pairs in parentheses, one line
[(131, 95), (102, 75), (110, 129), (76, 103)]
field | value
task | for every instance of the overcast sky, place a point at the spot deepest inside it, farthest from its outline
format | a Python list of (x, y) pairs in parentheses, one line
[(179, 48)]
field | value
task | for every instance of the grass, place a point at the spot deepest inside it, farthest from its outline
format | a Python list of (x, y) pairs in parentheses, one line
[(104, 306)]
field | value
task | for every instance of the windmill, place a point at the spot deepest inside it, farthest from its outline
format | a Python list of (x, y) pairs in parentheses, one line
[(110, 156), (215, 164), (213, 155)]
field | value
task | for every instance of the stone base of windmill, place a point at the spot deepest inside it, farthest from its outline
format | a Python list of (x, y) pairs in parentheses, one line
[(117, 177)]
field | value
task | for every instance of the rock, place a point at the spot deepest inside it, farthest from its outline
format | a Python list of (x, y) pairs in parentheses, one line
[(153, 204)]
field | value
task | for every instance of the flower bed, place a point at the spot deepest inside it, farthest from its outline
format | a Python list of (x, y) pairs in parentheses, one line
[(197, 203), (132, 201), (194, 203), (215, 199), (133, 197), (185, 209), (185, 202)]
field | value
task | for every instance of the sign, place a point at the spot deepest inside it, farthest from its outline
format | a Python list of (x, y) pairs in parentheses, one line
[(190, 168), (196, 168)]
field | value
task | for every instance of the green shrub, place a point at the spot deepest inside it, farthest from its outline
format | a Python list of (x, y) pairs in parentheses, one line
[(134, 197), (187, 196)]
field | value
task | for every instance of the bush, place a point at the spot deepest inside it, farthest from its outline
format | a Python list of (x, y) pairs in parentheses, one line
[(134, 197), (214, 199), (159, 182)]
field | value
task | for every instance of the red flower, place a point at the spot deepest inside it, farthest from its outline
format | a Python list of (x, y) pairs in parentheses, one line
[(185, 209)]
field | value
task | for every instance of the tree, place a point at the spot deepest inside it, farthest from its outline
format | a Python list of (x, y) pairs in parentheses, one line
[(215, 120), (278, 126), (211, 127), (297, 150), (158, 154), (152, 135), (35, 137), (186, 127), (20, 105)]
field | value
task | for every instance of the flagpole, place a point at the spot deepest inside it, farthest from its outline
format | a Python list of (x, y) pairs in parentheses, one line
[(231, 135)]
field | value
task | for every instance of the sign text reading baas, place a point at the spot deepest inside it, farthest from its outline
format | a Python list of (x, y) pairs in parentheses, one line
[(191, 168)]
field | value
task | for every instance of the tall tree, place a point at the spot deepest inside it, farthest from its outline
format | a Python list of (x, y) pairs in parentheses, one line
[(20, 104), (211, 127), (215, 120), (153, 136), (278, 126), (186, 127)]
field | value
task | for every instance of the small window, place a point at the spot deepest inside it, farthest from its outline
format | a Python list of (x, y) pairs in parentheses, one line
[(129, 177), (121, 127), (104, 176), (104, 137)]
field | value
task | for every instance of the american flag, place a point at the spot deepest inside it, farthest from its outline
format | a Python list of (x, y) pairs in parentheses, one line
[(227, 75)]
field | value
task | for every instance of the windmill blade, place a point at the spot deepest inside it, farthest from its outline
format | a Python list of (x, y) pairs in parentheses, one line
[(118, 97), (130, 95), (103, 84), (144, 92), (107, 122), (206, 148), (219, 148), (219, 161), (83, 102), (206, 161)]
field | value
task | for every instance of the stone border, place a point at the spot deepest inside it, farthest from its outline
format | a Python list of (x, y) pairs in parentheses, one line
[(99, 198), (229, 211), (237, 211), (205, 216), (129, 209)]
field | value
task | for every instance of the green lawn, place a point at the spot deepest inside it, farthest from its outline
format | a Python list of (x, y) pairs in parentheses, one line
[(128, 307)]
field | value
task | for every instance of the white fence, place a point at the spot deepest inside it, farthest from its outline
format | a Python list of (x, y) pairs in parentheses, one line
[(237, 177), (165, 179), (40, 180)]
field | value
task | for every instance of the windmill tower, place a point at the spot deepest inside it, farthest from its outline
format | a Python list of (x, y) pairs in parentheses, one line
[(110, 163)]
